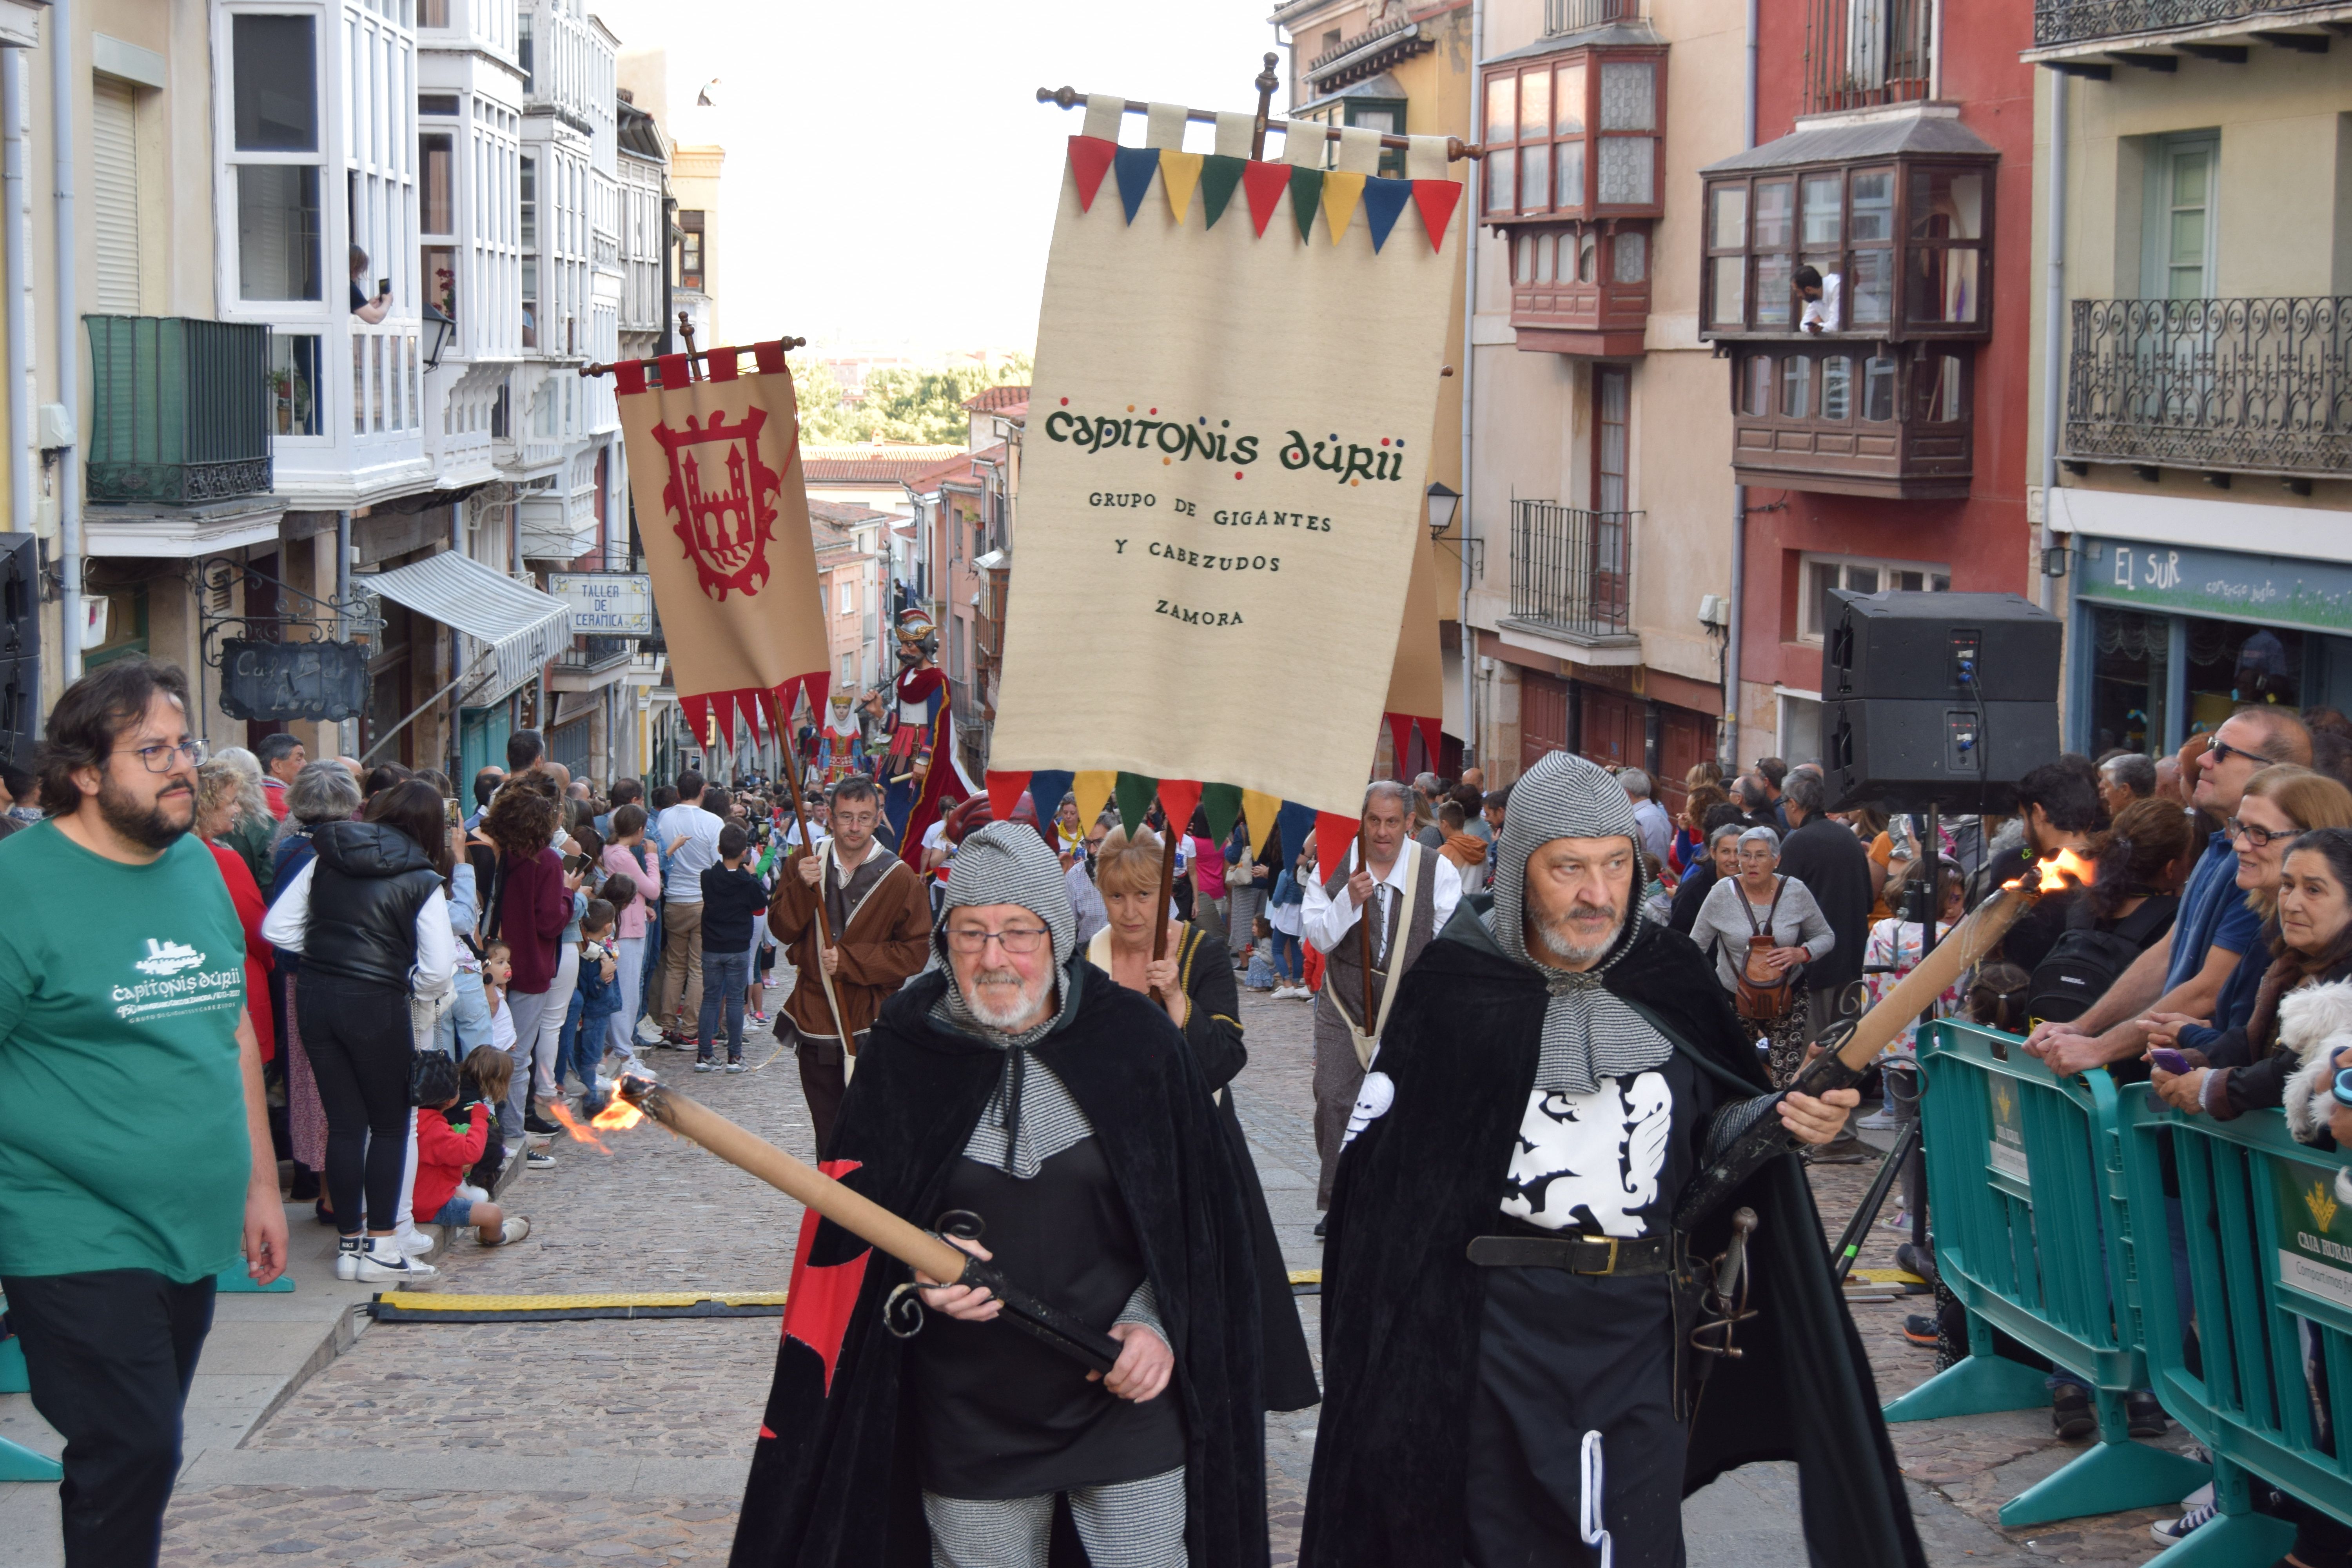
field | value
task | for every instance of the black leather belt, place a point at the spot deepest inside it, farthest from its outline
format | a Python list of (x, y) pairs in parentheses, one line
[(1575, 1254)]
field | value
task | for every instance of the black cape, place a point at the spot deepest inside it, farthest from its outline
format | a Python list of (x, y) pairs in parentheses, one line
[(834, 1481), (1401, 1302)]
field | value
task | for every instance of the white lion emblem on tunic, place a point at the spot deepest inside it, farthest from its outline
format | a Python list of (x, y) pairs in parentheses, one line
[(1600, 1151)]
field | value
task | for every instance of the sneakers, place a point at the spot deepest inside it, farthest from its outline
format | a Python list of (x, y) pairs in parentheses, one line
[(413, 1242), (2143, 1416), (382, 1263), (2173, 1531), (734, 1064), (649, 1032), (512, 1229), (1919, 1329), (347, 1258), (2071, 1415), (704, 1064), (539, 1160), (1879, 1120), (535, 1122), (755, 1015)]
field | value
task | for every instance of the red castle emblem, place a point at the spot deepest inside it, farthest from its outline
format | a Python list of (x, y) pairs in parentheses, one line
[(726, 531)]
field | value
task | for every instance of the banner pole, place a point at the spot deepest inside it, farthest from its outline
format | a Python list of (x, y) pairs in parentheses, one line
[(823, 932), (1167, 891), (1364, 922), (1265, 84), (686, 331)]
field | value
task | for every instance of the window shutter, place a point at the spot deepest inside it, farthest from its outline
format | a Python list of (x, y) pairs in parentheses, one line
[(114, 149)]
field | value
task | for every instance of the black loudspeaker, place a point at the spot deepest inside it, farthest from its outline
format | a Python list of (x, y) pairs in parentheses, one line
[(1936, 699)]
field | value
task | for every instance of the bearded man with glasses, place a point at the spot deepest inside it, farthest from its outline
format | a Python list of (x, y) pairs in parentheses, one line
[(135, 1159), (1019, 1084)]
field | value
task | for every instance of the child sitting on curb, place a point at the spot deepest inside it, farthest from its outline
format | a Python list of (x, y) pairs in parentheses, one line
[(452, 1128)]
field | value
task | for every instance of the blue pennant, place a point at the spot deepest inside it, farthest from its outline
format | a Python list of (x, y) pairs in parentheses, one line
[(1383, 199), (1046, 788), (1135, 166), (1295, 824)]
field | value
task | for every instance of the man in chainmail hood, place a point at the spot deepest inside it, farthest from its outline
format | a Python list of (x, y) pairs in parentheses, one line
[(1017, 1084), (1509, 1307)]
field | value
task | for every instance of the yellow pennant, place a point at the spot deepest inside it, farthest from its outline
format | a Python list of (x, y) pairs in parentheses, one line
[(1259, 809), (1341, 192), (1178, 173), (1093, 788)]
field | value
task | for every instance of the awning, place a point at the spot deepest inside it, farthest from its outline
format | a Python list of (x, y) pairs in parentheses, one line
[(523, 627)]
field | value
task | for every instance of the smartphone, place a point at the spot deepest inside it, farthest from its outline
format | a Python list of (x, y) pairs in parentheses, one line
[(383, 287), (2167, 1058), (575, 864)]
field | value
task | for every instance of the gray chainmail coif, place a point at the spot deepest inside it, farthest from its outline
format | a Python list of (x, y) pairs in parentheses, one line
[(1008, 863), (1588, 1034)]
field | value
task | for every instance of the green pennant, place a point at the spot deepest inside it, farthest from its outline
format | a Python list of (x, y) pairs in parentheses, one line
[(1135, 793), (1220, 177), (1222, 805), (1305, 195)]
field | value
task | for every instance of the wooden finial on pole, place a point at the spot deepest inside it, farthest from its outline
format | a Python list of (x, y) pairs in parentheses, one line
[(1266, 82), (686, 331)]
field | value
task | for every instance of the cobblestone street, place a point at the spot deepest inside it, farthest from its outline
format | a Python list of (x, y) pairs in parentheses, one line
[(567, 1444)]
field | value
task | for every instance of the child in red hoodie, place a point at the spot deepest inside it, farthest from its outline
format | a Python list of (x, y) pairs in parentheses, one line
[(449, 1139)]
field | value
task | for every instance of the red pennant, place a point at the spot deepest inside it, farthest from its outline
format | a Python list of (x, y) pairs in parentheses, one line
[(1333, 837), (1004, 793), (1180, 798), (722, 703), (697, 713), (817, 684), (629, 377), (722, 363), (1401, 737), (1433, 741), (1265, 184), (1436, 199), (1090, 158)]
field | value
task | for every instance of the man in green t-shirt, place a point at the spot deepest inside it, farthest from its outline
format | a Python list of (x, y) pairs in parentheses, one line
[(135, 1161)]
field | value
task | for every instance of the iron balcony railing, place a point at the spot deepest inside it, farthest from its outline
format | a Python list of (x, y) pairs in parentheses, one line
[(2246, 385), (2057, 22), (1863, 53), (596, 653), (1575, 15), (180, 409), (1569, 567)]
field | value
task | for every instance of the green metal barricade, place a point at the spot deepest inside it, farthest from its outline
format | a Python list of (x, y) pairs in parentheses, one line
[(2025, 1186), (2269, 1239)]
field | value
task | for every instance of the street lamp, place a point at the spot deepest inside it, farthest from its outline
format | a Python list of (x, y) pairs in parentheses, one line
[(442, 328), (1441, 502)]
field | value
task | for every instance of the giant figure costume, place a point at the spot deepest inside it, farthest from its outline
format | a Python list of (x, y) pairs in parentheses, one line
[(918, 764), (1507, 1316), (1090, 1148)]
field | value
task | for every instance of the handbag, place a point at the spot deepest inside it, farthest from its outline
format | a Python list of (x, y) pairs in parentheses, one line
[(1763, 998)]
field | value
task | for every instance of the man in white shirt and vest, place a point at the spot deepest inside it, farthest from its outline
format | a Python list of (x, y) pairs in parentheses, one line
[(1412, 890)]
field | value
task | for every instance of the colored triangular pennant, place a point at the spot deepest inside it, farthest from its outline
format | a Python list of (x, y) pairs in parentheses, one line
[(1306, 193), (815, 686), (1432, 739), (1333, 837), (1180, 798), (1264, 184), (1437, 199), (1219, 176), (1292, 824), (1004, 793), (1047, 787), (1261, 810), (1092, 788), (1089, 156), (1135, 793), (1383, 200), (1178, 173), (1135, 165), (1401, 737), (1341, 191), (1221, 805)]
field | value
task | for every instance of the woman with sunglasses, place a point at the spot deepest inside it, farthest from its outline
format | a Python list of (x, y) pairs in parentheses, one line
[(2279, 804)]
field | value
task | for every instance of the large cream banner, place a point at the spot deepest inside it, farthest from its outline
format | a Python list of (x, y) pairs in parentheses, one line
[(1223, 469)]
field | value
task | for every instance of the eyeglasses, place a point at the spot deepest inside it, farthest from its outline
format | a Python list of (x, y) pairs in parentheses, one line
[(2259, 836), (160, 759), (1021, 939)]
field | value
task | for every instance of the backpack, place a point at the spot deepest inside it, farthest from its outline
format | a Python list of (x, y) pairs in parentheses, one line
[(2085, 961)]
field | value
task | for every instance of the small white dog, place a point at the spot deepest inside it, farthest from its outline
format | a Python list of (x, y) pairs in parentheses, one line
[(2315, 1023)]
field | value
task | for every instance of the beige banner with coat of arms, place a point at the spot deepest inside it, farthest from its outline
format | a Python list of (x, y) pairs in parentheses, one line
[(722, 514)]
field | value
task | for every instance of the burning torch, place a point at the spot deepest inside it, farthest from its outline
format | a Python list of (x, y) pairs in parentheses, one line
[(638, 1096), (1766, 1138)]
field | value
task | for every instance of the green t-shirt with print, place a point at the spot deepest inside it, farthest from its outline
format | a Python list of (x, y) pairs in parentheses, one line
[(122, 1140)]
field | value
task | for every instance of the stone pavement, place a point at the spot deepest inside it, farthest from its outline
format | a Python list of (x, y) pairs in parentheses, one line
[(625, 1442)]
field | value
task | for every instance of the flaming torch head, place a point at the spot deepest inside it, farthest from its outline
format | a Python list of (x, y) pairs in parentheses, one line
[(2064, 870)]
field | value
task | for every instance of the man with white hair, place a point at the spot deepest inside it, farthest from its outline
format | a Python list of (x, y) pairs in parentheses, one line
[(1413, 892), (1657, 829), (1017, 1084), (1515, 1303)]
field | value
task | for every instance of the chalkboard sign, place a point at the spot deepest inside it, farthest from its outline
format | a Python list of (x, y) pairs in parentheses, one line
[(293, 680)]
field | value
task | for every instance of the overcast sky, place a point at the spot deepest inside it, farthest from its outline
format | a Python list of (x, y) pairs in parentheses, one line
[(890, 176)]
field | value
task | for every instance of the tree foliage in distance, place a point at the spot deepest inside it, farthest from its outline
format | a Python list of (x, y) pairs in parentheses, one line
[(924, 407)]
